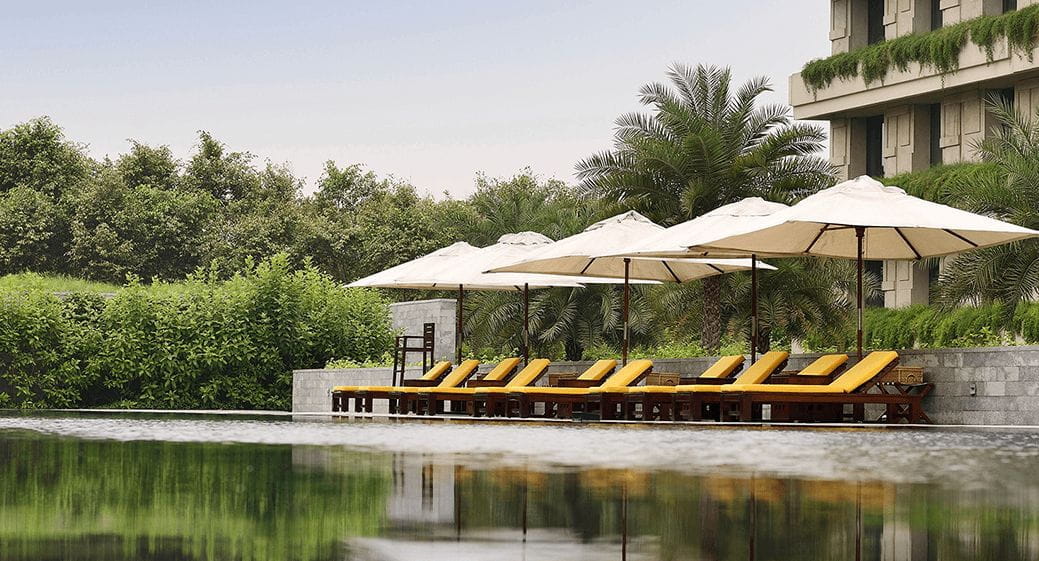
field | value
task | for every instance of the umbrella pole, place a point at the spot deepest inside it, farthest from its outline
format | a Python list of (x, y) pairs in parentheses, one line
[(753, 308), (458, 328), (526, 323), (859, 233), (627, 297)]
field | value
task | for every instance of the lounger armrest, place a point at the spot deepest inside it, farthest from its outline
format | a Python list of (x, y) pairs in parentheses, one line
[(419, 383), (575, 383), (784, 378), (704, 381), (486, 383)]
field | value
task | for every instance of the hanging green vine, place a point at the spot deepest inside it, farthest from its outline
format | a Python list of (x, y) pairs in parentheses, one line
[(938, 49)]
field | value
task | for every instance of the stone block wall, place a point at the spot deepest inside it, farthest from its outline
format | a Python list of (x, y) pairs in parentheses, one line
[(982, 386), (407, 318)]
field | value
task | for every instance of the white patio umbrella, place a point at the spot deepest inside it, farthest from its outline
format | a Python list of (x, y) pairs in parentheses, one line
[(577, 255), (687, 239), (460, 267), (863, 219), (400, 276), (468, 272)]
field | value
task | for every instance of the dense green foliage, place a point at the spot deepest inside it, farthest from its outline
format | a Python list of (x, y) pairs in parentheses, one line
[(938, 49), (203, 343)]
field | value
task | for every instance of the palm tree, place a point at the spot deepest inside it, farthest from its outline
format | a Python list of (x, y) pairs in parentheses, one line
[(1009, 190), (702, 146)]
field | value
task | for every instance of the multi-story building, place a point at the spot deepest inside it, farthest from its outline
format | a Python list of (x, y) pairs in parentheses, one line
[(919, 117)]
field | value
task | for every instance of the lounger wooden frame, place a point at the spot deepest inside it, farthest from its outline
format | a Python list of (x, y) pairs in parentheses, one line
[(747, 406), (401, 401), (669, 406), (563, 405), (476, 403)]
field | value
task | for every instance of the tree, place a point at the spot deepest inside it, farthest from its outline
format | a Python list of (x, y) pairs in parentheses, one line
[(143, 230), (145, 165), (228, 176), (702, 146), (1009, 273), (36, 154), (33, 232)]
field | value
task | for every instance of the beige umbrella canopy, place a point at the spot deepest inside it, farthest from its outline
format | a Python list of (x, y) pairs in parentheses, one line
[(578, 255), (405, 274), (460, 267), (864, 219), (686, 239)]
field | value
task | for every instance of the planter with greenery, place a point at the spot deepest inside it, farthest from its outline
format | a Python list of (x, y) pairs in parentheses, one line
[(939, 49)]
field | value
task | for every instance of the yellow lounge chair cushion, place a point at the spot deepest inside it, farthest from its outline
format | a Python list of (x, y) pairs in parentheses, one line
[(763, 368), (431, 374), (723, 367), (503, 369), (437, 371), (528, 375), (824, 365), (853, 379), (460, 374), (599, 370), (615, 383), (784, 388)]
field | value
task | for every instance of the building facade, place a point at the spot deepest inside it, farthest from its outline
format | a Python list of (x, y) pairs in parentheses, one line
[(919, 117)]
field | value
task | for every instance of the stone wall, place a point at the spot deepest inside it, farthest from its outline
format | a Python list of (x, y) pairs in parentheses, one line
[(982, 386), (407, 318)]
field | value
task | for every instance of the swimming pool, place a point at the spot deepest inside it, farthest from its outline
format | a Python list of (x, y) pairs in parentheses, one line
[(136, 486)]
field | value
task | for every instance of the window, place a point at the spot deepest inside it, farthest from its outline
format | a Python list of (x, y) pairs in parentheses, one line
[(875, 21), (935, 129), (936, 14), (1009, 5), (875, 146)]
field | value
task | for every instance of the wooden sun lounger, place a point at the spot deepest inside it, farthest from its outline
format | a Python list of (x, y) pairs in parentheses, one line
[(341, 395), (400, 396), (667, 402), (490, 394), (561, 401), (661, 404), (802, 402)]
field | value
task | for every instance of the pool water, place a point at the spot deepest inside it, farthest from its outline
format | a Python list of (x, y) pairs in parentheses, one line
[(209, 487)]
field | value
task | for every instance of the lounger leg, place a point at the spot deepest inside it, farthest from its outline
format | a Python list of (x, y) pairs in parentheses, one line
[(695, 409), (746, 409)]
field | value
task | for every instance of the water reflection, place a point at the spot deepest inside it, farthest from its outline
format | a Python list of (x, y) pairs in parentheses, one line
[(71, 498)]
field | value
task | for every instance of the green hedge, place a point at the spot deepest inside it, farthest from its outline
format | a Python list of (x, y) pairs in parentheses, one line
[(938, 49), (926, 327), (199, 344)]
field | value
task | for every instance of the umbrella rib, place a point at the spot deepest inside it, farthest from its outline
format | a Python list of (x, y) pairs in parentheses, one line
[(670, 270), (590, 261), (951, 233), (716, 268), (910, 245), (816, 238)]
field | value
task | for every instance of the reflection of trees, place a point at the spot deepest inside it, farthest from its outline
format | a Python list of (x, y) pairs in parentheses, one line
[(101, 500)]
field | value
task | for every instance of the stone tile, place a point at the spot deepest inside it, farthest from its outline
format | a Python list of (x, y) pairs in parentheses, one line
[(993, 388)]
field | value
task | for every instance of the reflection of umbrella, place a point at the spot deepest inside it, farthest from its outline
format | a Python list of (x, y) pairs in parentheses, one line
[(577, 256), (460, 266), (686, 239), (863, 219)]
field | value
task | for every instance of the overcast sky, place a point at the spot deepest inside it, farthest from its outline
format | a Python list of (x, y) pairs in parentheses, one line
[(431, 92)]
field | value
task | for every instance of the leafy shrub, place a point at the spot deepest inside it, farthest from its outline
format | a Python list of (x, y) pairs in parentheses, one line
[(200, 344)]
